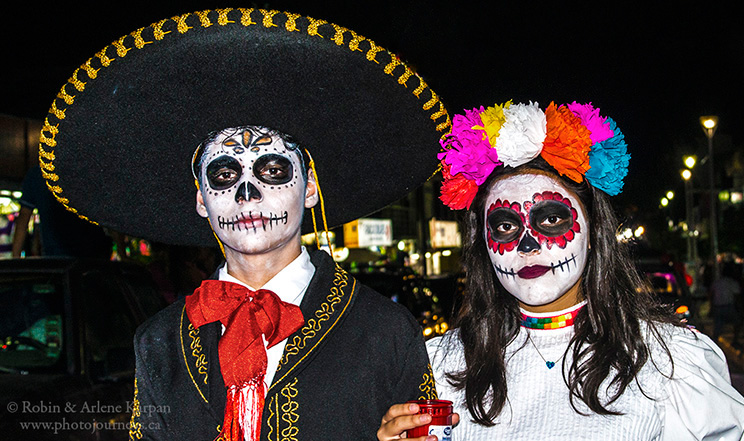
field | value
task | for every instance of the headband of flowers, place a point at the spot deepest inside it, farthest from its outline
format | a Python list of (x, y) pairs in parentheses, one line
[(573, 138)]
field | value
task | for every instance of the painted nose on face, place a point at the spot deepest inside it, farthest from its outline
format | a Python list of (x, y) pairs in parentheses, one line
[(528, 244), (246, 192)]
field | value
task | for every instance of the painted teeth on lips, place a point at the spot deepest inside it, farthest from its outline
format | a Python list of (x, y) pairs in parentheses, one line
[(535, 271), (250, 220)]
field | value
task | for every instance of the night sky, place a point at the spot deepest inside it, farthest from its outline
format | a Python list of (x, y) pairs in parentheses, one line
[(655, 70)]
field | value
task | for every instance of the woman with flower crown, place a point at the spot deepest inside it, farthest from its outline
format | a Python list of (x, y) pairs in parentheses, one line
[(557, 339)]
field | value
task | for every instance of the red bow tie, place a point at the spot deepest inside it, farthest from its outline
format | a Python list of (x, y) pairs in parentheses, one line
[(249, 317)]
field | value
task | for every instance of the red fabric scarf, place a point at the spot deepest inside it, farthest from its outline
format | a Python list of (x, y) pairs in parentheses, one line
[(247, 315)]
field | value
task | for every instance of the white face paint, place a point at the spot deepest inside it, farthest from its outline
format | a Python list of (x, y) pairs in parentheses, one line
[(537, 236), (253, 190)]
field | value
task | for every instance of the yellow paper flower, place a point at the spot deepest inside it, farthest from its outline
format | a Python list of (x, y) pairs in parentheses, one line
[(493, 118)]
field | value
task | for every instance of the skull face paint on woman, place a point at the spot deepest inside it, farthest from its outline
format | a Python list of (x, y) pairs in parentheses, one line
[(253, 189), (537, 236)]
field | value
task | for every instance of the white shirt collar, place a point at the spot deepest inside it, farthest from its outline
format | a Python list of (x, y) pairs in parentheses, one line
[(289, 284)]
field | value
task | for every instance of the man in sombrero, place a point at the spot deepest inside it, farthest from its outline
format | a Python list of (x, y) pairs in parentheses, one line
[(277, 113)]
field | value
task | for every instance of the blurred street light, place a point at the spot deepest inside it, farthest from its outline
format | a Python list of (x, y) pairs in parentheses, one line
[(690, 161), (689, 220), (670, 195), (710, 124), (639, 231)]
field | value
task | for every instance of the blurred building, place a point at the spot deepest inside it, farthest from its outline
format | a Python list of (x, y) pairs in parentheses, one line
[(19, 150)]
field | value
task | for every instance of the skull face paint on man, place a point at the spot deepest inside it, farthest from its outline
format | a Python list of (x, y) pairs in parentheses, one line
[(537, 236), (253, 189)]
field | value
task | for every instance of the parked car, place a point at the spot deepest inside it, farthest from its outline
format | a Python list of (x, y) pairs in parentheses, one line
[(66, 351), (669, 285), (404, 286)]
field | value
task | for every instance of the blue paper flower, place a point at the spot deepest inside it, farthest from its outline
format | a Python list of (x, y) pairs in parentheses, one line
[(608, 162)]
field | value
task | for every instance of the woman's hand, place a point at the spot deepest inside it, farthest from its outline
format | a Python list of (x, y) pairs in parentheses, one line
[(402, 417)]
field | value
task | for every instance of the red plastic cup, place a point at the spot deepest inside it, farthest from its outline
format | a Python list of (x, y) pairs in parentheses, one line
[(441, 419)]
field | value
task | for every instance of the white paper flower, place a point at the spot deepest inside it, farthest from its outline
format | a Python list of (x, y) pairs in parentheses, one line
[(521, 136)]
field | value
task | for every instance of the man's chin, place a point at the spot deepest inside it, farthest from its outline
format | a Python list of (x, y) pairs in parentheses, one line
[(260, 244)]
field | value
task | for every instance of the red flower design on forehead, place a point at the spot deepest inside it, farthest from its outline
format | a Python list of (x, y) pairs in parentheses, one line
[(499, 247), (563, 239)]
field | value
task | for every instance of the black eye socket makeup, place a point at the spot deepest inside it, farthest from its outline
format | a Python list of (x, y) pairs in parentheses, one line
[(551, 218), (504, 225), (223, 172), (273, 169)]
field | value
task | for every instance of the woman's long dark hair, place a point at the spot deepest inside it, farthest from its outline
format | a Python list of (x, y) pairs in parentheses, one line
[(608, 339)]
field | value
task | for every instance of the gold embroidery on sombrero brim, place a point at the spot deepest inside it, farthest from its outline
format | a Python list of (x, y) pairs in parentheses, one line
[(145, 38)]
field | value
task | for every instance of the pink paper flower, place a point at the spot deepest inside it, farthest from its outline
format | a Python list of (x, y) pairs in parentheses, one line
[(590, 118), (467, 149)]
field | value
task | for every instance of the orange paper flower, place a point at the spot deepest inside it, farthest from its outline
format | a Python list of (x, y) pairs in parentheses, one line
[(567, 142)]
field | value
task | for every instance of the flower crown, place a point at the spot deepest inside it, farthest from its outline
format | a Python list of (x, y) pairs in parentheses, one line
[(573, 138)]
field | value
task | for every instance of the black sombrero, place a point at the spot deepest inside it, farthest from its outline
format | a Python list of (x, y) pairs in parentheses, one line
[(118, 140)]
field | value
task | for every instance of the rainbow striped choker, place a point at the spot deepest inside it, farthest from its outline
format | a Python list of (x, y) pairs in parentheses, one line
[(552, 322)]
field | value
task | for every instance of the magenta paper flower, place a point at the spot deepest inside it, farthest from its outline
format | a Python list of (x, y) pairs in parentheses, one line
[(590, 118), (467, 149)]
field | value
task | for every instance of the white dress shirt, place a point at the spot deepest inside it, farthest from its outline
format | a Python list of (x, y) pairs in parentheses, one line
[(290, 285)]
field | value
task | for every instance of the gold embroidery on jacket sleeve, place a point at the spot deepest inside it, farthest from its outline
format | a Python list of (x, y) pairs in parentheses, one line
[(135, 427), (428, 387)]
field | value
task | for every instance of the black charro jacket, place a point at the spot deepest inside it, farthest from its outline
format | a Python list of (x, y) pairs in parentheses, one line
[(357, 354)]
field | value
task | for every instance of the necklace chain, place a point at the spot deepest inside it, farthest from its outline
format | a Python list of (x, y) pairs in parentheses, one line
[(549, 364)]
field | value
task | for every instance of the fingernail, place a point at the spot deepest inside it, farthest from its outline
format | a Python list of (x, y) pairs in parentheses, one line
[(425, 418), (413, 407)]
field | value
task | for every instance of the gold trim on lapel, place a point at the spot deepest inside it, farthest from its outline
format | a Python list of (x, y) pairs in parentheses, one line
[(283, 416), (304, 341), (198, 357)]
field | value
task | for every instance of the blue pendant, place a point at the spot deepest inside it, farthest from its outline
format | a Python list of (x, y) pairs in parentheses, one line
[(550, 364)]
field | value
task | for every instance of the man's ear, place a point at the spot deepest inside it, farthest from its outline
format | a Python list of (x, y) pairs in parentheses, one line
[(200, 208), (311, 190)]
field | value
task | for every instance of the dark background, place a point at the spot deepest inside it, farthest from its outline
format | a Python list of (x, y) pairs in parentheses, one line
[(655, 67)]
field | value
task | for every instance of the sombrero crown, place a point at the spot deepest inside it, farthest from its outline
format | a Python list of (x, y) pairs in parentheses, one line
[(117, 143)]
